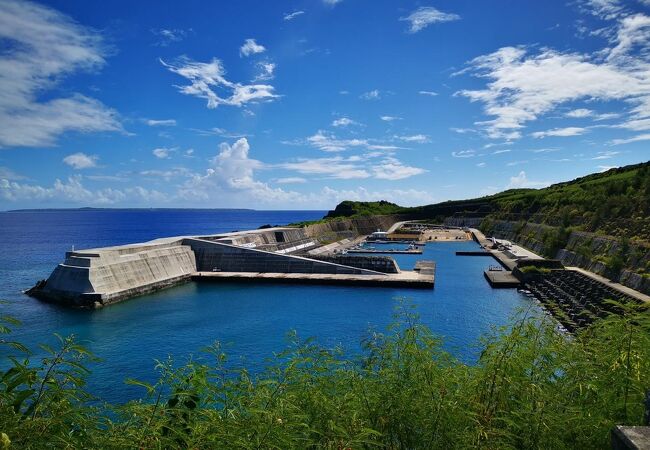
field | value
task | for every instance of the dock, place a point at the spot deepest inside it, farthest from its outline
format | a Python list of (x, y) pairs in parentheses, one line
[(417, 251), (415, 279), (501, 279)]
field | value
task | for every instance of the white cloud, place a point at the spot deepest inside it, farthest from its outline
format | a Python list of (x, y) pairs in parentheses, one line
[(161, 153), (481, 164), (8, 174), (293, 15), (425, 16), (81, 160), (522, 87), (335, 167), (161, 123), (429, 93), (417, 138), (371, 95), (168, 35), (605, 155), (72, 191), (559, 132), (637, 138), (498, 152), (231, 179), (606, 9), (344, 122), (392, 169), (374, 164), (464, 154), (606, 168), (522, 181), (580, 113), (206, 78), (250, 47), (332, 2), (390, 118), (291, 180), (267, 70), (40, 48)]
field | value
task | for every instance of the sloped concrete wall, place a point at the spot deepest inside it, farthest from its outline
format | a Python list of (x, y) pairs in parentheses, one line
[(114, 270), (228, 258)]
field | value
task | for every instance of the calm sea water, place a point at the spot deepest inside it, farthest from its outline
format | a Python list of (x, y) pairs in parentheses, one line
[(251, 320)]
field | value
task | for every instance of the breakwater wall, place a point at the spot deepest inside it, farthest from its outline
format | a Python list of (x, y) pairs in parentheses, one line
[(92, 278), (376, 263), (97, 277), (627, 262), (220, 257)]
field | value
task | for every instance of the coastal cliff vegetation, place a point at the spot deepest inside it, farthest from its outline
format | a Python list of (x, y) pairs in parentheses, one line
[(533, 387), (615, 203)]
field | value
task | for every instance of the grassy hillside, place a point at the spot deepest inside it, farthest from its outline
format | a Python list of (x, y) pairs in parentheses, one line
[(615, 202)]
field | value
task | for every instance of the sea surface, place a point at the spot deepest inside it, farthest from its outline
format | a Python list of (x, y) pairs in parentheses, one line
[(250, 320)]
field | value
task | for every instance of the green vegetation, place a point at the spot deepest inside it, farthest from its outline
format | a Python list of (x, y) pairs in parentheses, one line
[(349, 208), (532, 388), (615, 202), (535, 270)]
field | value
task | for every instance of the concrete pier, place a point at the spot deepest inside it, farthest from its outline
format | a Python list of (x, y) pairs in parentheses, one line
[(97, 277), (404, 279), (388, 251)]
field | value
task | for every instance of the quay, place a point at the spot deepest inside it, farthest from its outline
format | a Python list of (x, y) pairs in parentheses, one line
[(389, 251), (404, 279)]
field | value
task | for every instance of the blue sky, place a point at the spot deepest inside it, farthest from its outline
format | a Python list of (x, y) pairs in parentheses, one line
[(302, 104)]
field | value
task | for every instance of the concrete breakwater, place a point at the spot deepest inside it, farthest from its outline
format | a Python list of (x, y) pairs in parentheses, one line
[(96, 277)]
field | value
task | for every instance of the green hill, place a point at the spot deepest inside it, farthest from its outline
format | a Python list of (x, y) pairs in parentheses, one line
[(615, 202)]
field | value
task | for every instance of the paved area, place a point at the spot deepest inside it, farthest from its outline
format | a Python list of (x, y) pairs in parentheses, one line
[(406, 278)]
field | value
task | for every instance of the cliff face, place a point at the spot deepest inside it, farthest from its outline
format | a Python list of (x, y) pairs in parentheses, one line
[(348, 228), (627, 262)]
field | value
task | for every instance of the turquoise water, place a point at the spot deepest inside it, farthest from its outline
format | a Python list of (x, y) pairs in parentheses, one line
[(252, 319)]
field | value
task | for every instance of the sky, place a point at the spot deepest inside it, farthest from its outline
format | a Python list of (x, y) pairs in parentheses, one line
[(302, 104)]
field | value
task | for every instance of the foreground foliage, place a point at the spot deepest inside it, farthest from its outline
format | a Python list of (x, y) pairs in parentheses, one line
[(533, 387)]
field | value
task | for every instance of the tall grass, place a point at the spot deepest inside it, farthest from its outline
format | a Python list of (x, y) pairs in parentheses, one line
[(533, 387)]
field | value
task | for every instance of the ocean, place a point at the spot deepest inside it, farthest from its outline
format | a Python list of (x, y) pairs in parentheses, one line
[(250, 320)]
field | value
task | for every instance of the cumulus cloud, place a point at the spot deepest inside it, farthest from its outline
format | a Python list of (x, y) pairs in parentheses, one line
[(429, 93), (41, 47), (390, 118), (250, 47), (522, 181), (206, 78), (392, 169), (72, 191), (232, 174), (81, 160), (425, 16), (522, 87)]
